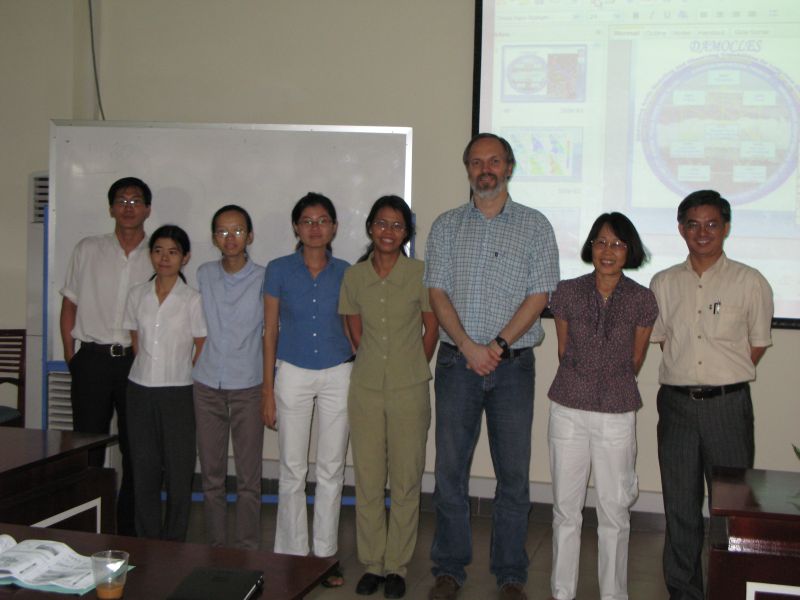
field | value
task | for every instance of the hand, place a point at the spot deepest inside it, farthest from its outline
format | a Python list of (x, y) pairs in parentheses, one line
[(269, 412), (481, 359)]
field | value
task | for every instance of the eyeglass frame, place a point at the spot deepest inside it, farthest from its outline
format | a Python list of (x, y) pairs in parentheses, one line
[(383, 225), (239, 232), (321, 222), (602, 244)]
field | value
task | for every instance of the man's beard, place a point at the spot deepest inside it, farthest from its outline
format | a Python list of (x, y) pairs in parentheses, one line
[(489, 192)]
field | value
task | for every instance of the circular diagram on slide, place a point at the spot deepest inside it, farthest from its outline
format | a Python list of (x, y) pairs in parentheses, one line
[(527, 74), (727, 122)]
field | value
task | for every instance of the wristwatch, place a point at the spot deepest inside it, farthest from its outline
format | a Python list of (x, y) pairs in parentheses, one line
[(503, 346)]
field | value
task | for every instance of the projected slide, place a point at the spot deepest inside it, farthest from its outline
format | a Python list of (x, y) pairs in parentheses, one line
[(630, 105)]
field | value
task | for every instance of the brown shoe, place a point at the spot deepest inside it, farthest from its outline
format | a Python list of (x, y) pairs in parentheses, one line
[(445, 588), (512, 591)]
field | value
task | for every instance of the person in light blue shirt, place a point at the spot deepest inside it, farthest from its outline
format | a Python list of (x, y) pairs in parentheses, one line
[(490, 266), (228, 378), (307, 364)]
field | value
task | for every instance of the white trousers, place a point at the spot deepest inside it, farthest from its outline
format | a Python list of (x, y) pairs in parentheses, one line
[(604, 443), (297, 391)]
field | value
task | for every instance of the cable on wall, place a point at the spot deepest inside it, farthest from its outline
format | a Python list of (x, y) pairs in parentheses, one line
[(94, 62)]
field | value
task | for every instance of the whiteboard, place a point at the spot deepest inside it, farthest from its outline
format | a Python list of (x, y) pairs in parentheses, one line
[(194, 169)]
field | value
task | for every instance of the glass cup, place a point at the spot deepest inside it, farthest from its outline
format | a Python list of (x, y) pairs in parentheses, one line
[(109, 568)]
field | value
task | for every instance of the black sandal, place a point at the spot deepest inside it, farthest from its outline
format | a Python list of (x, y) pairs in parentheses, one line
[(334, 579)]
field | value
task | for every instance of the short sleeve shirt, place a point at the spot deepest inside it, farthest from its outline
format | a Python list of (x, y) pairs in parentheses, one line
[(165, 333), (391, 354), (709, 323), (232, 356), (311, 331), (488, 267), (596, 371), (99, 276)]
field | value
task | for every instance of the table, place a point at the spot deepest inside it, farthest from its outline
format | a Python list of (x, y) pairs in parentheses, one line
[(755, 535), (161, 565), (45, 479)]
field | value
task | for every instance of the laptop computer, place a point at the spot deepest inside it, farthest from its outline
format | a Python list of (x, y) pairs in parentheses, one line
[(208, 583)]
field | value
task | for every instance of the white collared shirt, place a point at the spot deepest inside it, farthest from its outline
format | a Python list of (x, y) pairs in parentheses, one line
[(165, 332), (99, 276)]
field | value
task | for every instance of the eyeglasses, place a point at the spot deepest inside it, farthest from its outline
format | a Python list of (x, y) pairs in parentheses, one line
[(602, 244), (321, 222), (132, 202), (710, 226), (383, 225), (224, 233)]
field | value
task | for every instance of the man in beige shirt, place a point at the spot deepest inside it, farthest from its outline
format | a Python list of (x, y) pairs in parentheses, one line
[(713, 327)]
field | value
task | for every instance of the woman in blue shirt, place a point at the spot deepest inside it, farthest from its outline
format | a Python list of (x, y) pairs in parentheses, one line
[(228, 377), (308, 363)]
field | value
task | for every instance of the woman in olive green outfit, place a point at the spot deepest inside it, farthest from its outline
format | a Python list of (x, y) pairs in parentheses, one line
[(392, 325)]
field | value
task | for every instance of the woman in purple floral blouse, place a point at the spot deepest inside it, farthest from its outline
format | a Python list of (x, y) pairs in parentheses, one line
[(603, 322)]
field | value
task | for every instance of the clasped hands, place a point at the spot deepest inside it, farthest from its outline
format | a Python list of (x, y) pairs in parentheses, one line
[(482, 359)]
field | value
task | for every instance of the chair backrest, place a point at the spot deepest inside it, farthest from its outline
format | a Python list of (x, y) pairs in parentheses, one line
[(12, 368)]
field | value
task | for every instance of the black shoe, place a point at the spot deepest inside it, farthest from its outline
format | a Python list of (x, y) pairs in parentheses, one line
[(395, 586), (369, 584)]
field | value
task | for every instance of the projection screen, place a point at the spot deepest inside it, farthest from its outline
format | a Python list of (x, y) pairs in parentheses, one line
[(629, 105)]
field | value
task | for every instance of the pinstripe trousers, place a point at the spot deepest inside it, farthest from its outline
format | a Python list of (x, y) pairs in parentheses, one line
[(693, 437)]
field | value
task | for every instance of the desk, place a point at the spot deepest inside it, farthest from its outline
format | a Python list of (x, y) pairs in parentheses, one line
[(755, 534), (161, 565), (45, 479)]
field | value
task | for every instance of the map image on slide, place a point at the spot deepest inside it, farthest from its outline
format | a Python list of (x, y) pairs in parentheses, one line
[(726, 122), (546, 153), (552, 73)]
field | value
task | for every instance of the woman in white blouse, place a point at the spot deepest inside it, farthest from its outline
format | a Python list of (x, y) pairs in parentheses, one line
[(165, 317)]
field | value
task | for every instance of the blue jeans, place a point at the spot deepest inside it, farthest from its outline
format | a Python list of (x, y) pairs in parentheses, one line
[(461, 396)]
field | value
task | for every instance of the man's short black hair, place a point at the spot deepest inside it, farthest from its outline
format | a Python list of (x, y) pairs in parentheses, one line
[(126, 182), (704, 198), (625, 231), (491, 136)]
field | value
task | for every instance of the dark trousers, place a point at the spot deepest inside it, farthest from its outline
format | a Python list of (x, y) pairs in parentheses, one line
[(693, 437), (161, 429), (98, 389)]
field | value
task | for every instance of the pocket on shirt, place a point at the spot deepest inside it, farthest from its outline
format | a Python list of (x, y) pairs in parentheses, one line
[(730, 323)]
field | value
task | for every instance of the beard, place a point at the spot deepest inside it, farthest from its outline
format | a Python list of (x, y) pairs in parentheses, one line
[(488, 192)]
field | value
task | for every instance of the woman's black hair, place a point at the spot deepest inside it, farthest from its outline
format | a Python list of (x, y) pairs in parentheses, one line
[(177, 235), (625, 231), (398, 204), (312, 199), (232, 208)]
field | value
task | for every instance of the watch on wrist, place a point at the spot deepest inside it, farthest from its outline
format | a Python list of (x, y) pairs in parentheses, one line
[(503, 346)]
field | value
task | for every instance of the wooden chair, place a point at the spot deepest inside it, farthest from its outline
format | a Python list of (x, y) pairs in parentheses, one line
[(12, 370)]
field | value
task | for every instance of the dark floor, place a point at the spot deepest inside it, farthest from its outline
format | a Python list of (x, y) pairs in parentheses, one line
[(644, 565)]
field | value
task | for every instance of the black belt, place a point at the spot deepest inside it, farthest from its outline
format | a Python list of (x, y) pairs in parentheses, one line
[(702, 392), (112, 350), (513, 353), (349, 360)]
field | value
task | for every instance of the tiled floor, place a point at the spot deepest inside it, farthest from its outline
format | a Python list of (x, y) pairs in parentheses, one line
[(644, 569)]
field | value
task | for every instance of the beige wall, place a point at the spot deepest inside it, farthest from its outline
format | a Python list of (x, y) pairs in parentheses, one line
[(348, 62)]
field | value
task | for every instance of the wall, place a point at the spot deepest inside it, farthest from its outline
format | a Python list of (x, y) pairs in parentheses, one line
[(349, 62)]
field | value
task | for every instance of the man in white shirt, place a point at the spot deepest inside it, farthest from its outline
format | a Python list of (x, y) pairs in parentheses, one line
[(713, 326), (101, 271)]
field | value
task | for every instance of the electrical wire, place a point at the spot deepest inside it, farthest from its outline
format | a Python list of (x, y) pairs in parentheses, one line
[(94, 62)]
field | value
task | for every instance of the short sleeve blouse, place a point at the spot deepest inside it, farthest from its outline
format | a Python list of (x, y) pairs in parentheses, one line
[(596, 371)]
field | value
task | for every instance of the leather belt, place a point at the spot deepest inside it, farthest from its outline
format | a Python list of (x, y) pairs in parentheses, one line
[(702, 392), (513, 353), (112, 350)]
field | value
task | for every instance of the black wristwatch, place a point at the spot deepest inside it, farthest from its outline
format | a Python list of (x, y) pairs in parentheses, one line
[(503, 346)]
